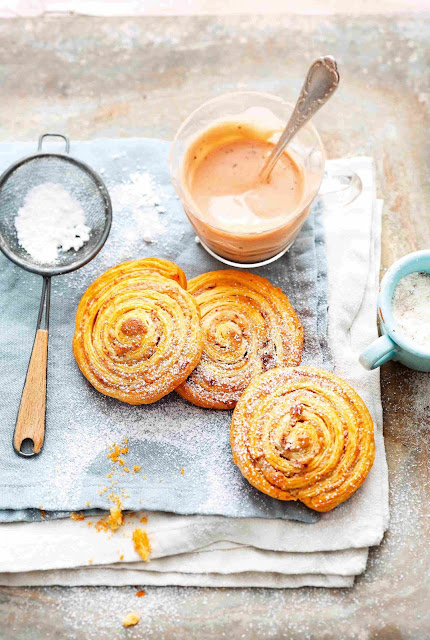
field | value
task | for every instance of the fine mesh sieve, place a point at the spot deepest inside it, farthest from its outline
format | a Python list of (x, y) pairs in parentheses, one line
[(87, 188)]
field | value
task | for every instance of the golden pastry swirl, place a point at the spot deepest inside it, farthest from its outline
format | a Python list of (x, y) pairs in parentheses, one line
[(249, 326), (138, 331), (302, 433)]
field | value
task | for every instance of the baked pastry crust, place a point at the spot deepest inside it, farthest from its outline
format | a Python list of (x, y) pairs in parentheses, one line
[(302, 433), (138, 331), (249, 327)]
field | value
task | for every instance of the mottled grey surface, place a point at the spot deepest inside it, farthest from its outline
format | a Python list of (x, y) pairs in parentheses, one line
[(81, 423), (141, 77)]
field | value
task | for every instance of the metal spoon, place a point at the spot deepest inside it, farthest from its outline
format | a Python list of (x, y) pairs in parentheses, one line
[(320, 84)]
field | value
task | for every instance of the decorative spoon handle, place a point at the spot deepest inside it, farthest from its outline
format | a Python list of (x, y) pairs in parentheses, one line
[(320, 84)]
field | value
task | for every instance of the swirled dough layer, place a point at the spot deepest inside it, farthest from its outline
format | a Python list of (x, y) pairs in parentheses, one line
[(249, 326), (303, 434), (138, 333)]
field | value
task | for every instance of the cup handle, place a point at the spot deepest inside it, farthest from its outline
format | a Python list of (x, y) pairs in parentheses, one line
[(377, 353), (340, 187)]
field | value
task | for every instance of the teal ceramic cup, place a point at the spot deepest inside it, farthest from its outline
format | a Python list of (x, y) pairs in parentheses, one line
[(393, 343)]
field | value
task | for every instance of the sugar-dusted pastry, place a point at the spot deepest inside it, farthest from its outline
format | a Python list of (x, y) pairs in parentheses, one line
[(302, 433), (249, 327), (138, 331)]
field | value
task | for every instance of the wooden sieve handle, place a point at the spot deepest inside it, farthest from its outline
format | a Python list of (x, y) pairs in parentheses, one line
[(31, 416), (30, 424)]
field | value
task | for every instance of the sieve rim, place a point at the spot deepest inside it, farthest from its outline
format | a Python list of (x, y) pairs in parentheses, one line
[(56, 270)]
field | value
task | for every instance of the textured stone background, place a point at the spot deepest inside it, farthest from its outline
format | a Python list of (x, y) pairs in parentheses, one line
[(92, 77)]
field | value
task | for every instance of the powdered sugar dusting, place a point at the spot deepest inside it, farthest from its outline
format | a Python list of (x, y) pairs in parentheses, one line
[(141, 196), (171, 433)]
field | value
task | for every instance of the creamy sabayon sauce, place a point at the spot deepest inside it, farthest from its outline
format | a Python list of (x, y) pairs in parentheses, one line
[(224, 183)]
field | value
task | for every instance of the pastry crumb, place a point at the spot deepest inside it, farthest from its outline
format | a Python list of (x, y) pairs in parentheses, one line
[(137, 468), (77, 516), (102, 525), (131, 619), (182, 470), (141, 544), (144, 519), (141, 593), (116, 451), (116, 518)]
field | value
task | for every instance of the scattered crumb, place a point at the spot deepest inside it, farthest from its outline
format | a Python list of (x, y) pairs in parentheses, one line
[(141, 544), (121, 556), (116, 451), (42, 513), (115, 518), (126, 469), (88, 504), (182, 470), (131, 619), (115, 499), (141, 593), (137, 468), (77, 516), (144, 519), (102, 525), (90, 561)]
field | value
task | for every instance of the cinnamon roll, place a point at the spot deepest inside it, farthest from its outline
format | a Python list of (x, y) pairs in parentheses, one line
[(138, 332), (302, 433), (249, 326)]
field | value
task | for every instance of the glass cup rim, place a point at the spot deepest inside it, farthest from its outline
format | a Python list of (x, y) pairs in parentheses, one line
[(220, 98)]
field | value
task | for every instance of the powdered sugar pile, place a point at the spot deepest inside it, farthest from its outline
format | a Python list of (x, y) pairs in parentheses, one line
[(50, 220), (411, 307)]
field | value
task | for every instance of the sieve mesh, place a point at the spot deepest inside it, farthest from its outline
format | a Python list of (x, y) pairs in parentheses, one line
[(83, 185)]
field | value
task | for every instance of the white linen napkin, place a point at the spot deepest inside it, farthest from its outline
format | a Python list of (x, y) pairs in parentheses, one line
[(219, 551)]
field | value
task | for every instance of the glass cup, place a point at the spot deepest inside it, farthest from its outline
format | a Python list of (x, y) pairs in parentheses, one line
[(255, 248)]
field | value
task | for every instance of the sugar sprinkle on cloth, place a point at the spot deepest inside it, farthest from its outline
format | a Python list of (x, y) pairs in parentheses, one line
[(162, 438)]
